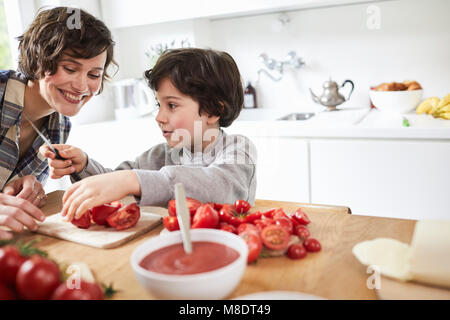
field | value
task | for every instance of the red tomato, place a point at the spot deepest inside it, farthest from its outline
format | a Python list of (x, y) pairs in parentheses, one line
[(251, 217), (269, 214), (125, 217), (301, 217), (227, 227), (171, 223), (247, 227), (101, 213), (10, 262), (192, 205), (228, 214), (296, 251), (302, 232), (86, 291), (262, 223), (280, 214), (275, 237), (6, 293), (285, 223), (312, 245), (242, 206), (37, 278), (253, 243), (84, 221), (205, 217)]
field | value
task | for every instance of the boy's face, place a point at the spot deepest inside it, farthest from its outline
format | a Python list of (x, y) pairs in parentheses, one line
[(179, 119), (73, 84)]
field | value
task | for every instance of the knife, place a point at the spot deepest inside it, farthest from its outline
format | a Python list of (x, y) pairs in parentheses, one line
[(75, 176), (184, 217)]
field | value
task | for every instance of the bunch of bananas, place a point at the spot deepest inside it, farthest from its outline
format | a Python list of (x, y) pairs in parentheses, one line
[(438, 108)]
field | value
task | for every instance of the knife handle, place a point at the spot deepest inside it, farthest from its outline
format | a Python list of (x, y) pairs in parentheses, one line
[(75, 176)]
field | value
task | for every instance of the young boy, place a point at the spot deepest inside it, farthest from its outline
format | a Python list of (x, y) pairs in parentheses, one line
[(198, 92)]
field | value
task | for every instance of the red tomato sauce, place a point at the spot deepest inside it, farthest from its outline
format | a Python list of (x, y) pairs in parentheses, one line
[(205, 256)]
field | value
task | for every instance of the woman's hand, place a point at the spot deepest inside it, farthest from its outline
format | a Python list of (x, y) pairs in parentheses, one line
[(76, 160), (98, 190), (27, 188), (17, 213)]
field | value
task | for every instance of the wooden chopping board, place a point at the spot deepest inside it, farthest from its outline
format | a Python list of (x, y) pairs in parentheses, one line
[(391, 289), (96, 236)]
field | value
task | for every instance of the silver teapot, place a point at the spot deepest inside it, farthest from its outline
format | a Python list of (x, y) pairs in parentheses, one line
[(331, 97)]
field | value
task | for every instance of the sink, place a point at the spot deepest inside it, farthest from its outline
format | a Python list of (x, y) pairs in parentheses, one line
[(298, 116)]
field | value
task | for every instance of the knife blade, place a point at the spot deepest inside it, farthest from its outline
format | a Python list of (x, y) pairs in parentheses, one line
[(75, 176)]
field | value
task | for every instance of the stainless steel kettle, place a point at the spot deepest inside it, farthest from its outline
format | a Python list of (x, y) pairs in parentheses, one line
[(331, 97), (132, 98)]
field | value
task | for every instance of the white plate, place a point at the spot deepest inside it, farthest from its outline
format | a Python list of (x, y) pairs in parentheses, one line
[(279, 295)]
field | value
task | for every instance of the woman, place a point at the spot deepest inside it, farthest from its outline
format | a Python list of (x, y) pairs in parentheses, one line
[(62, 65)]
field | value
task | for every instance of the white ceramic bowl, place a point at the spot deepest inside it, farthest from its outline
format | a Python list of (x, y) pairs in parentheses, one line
[(216, 284), (396, 101)]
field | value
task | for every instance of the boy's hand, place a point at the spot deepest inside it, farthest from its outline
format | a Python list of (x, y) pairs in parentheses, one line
[(98, 190), (76, 160)]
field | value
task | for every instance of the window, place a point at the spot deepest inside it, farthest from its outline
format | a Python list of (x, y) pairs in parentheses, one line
[(5, 51)]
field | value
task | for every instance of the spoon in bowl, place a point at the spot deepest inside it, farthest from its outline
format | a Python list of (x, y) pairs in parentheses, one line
[(184, 217)]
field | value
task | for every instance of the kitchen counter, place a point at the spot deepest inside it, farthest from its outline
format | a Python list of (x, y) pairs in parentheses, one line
[(333, 273)]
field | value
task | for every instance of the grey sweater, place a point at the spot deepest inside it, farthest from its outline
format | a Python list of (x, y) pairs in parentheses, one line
[(223, 173)]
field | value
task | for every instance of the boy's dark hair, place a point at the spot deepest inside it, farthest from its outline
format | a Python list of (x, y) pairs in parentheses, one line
[(51, 34), (209, 77)]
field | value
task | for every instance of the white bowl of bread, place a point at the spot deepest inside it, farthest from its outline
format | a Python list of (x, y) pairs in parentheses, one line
[(396, 97)]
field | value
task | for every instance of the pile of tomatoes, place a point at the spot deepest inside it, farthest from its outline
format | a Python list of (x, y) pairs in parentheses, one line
[(269, 233), (112, 214), (36, 277)]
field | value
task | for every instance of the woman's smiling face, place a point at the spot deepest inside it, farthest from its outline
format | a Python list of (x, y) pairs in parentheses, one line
[(74, 83)]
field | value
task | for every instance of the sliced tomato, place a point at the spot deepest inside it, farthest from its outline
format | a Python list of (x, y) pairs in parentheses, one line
[(247, 227), (269, 214), (192, 205), (285, 223), (124, 218), (227, 227), (279, 214), (275, 237), (252, 216), (205, 217), (254, 245), (242, 206), (301, 217), (101, 213), (171, 223), (262, 223), (84, 221)]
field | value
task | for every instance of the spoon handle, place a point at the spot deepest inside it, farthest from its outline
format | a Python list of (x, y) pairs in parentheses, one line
[(184, 218)]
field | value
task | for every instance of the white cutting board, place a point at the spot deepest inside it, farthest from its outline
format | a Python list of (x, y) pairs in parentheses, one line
[(96, 236)]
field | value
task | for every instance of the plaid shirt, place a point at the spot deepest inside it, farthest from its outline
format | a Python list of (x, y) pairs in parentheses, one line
[(56, 129)]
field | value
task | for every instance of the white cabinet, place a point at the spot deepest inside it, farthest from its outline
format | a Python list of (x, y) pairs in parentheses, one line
[(282, 169), (127, 13), (401, 179)]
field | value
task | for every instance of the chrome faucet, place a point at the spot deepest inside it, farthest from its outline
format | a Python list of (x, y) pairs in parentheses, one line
[(291, 61)]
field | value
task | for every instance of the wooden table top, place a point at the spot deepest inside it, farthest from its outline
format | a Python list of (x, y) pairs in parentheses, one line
[(333, 273)]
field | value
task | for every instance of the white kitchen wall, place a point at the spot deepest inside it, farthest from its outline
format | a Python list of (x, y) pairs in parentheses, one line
[(412, 42)]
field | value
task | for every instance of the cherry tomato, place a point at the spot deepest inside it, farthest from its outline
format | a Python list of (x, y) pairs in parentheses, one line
[(242, 206), (301, 231), (280, 214), (192, 205), (124, 218), (6, 293), (171, 223), (101, 213), (84, 222), (296, 251), (205, 217), (251, 217), (312, 245), (275, 237), (247, 227), (269, 214), (227, 227), (301, 217), (285, 223), (86, 291), (10, 262), (253, 243), (37, 278), (228, 214), (262, 223)]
